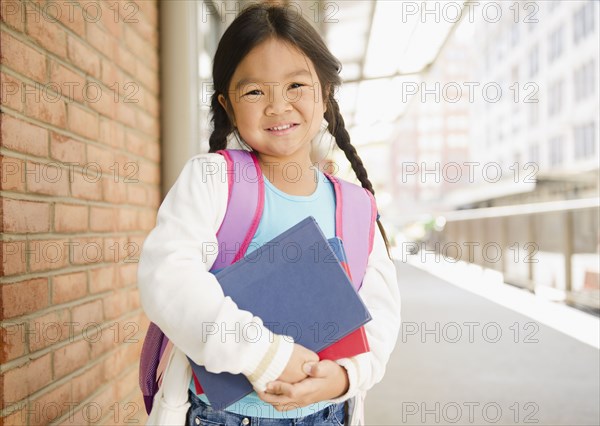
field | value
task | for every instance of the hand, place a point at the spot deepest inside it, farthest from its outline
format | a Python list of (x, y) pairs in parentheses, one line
[(326, 380), (293, 371)]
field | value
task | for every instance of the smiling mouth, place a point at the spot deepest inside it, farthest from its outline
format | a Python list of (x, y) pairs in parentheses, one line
[(282, 127)]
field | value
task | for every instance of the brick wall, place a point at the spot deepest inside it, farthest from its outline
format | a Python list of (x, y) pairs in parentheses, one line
[(80, 176)]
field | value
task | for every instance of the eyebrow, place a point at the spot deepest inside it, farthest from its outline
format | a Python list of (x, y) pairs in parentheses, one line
[(248, 80)]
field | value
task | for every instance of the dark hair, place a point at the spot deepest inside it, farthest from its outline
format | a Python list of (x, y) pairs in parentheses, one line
[(255, 24)]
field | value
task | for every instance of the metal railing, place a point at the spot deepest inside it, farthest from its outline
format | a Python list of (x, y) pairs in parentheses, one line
[(509, 238)]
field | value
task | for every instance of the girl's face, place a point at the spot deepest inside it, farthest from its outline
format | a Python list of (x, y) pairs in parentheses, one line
[(276, 101)]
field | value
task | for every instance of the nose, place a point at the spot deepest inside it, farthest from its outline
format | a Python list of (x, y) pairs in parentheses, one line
[(277, 102)]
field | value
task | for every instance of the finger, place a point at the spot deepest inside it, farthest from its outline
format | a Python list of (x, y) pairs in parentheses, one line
[(322, 369), (279, 388)]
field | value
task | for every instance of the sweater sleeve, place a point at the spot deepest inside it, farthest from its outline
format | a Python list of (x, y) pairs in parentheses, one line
[(181, 296), (381, 295)]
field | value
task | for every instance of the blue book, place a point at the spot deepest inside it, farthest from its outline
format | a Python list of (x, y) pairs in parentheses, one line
[(297, 286)]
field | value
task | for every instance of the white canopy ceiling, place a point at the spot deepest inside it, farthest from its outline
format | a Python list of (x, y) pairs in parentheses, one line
[(382, 46)]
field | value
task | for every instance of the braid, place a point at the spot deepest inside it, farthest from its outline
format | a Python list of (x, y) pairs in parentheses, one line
[(221, 125), (337, 128), (342, 138)]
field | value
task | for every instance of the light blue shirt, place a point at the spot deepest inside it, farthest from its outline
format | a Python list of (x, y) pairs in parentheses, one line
[(282, 211)]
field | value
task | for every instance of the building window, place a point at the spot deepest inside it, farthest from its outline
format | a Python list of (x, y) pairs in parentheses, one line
[(552, 4), (584, 81), (534, 114), (584, 20), (534, 153), (555, 97), (585, 141), (555, 44), (534, 61), (556, 150), (514, 34)]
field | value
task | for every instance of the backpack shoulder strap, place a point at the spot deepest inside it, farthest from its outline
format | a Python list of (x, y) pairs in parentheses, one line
[(355, 215), (245, 205)]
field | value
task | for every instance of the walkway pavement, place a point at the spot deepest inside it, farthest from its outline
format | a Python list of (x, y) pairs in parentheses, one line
[(462, 359)]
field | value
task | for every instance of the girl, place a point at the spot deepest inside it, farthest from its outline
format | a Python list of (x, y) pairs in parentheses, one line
[(274, 82)]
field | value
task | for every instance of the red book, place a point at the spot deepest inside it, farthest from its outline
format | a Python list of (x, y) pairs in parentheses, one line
[(356, 342)]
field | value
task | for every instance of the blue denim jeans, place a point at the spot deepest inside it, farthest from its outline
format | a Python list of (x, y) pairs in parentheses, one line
[(201, 414)]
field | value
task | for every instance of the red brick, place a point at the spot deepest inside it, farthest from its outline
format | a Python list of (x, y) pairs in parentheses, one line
[(128, 219), (47, 179), (149, 103), (105, 341), (128, 272), (100, 39), (147, 220), (147, 123), (17, 414), (106, 400), (109, 73), (49, 329), (52, 405), (135, 142), (103, 279), (153, 152), (68, 287), (13, 257), (133, 299), (45, 106), (70, 218), (114, 192), (77, 417), (11, 12), (154, 197), (24, 297), (125, 113), (71, 84), (22, 58), (20, 216), (65, 149), (84, 57), (27, 379), (116, 249), (46, 255), (126, 385), (115, 305), (125, 59), (110, 19), (48, 34), (103, 101), (103, 159), (86, 185), (87, 315), (12, 336), (136, 44), (72, 356), (149, 172), (111, 133), (24, 137), (71, 16), (10, 93), (102, 219), (83, 122), (87, 382), (86, 251), (12, 174), (136, 194)]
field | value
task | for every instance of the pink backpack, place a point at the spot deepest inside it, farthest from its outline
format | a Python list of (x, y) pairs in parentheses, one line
[(355, 216)]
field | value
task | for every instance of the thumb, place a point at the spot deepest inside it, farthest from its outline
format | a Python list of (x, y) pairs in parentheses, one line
[(317, 369), (310, 368)]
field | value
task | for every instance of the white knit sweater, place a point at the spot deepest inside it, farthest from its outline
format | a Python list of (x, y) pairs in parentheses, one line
[(179, 294)]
